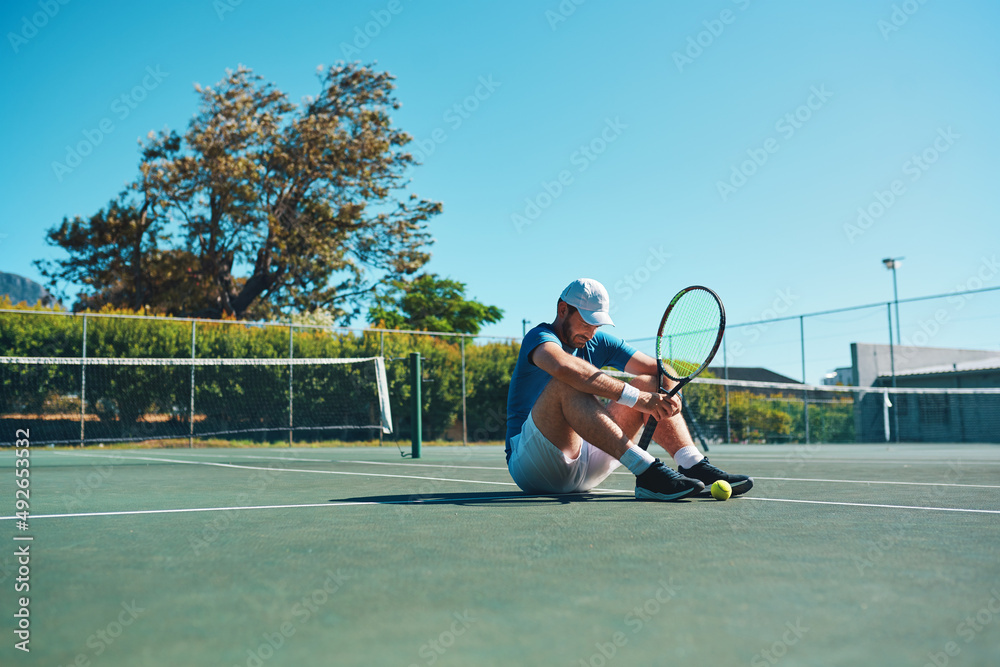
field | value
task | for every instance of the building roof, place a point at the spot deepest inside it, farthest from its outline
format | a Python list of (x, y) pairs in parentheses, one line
[(989, 364), (753, 373)]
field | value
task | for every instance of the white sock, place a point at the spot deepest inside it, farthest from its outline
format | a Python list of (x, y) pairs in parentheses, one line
[(688, 457), (637, 460)]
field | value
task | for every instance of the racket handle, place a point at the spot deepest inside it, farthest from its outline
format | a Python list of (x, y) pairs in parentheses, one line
[(647, 433), (677, 387)]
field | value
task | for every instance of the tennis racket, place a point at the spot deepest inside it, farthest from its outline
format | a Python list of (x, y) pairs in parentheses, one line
[(689, 336)]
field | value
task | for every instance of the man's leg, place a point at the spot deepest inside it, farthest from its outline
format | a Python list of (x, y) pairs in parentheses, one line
[(567, 417), (671, 434), (570, 420)]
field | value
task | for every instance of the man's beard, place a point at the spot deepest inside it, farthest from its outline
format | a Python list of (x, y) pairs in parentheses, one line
[(566, 336)]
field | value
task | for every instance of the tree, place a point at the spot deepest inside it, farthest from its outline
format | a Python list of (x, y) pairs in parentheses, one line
[(429, 303), (261, 207)]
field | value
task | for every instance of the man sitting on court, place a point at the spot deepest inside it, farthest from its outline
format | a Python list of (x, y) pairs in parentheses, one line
[(562, 439)]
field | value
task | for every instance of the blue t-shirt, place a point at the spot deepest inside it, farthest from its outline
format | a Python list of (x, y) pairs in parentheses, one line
[(528, 380)]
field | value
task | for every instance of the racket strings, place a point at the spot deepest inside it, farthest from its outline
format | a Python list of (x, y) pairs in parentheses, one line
[(690, 333)]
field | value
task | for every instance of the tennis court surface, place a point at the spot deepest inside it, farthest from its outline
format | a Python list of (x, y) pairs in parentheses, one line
[(841, 554)]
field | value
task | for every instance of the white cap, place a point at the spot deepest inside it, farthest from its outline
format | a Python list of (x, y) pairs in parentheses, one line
[(590, 298)]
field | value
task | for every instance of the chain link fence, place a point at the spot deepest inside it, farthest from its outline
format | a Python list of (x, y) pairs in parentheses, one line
[(465, 378)]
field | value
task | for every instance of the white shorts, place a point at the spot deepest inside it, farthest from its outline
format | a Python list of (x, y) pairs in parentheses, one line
[(538, 466)]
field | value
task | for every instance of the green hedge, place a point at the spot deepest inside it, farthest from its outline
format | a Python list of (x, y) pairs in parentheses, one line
[(31, 389)]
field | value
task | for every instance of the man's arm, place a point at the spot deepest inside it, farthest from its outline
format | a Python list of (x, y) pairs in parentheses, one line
[(587, 378), (643, 364)]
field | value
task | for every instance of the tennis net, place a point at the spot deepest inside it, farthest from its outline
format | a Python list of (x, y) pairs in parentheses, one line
[(769, 412), (105, 400)]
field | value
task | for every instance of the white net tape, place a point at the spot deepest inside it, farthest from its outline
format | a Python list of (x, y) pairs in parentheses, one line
[(93, 399)]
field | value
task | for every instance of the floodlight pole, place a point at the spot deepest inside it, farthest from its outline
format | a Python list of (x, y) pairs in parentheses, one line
[(895, 299), (725, 375), (891, 263), (805, 393), (892, 367)]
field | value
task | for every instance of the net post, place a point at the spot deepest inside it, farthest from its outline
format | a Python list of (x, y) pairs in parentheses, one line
[(83, 381), (191, 413), (416, 421), (291, 350), (805, 393), (885, 413), (381, 353), (465, 422)]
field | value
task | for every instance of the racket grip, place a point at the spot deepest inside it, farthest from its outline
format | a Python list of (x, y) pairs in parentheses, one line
[(677, 387), (647, 433)]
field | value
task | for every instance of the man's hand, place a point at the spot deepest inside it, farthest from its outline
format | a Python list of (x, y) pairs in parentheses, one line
[(659, 405), (583, 376)]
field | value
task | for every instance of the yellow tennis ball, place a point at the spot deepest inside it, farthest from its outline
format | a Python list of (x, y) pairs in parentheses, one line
[(721, 490)]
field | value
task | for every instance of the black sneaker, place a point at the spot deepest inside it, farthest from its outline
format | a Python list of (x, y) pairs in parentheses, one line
[(661, 483), (707, 473)]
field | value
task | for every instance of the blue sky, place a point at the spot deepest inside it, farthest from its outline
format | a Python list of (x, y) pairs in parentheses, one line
[(649, 145)]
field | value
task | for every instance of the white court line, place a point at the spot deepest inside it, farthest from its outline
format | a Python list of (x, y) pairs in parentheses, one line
[(421, 465), (409, 501), (799, 458), (417, 501), (858, 481), (279, 457), (625, 472), (318, 472), (427, 465), (376, 463), (420, 500), (897, 507), (266, 458), (792, 457), (617, 472), (296, 458)]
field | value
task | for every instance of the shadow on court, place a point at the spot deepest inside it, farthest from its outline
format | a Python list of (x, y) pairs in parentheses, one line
[(487, 498)]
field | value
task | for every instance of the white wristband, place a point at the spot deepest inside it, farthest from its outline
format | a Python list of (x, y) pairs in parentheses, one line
[(629, 396)]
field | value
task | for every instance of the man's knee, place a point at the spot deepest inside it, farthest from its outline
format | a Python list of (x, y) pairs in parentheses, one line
[(644, 382), (557, 391), (555, 385)]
